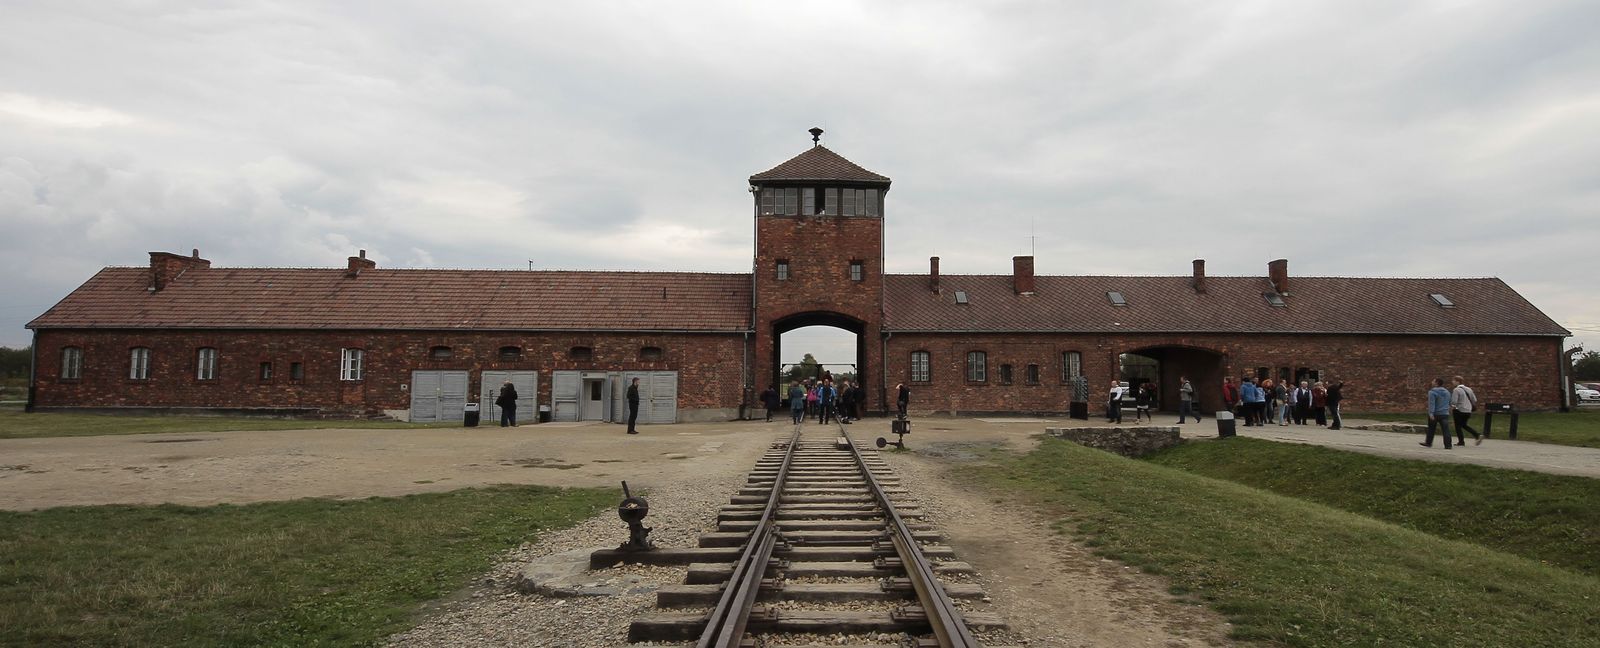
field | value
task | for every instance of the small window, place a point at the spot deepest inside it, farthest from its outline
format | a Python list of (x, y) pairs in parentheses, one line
[(297, 371), (769, 197), (1116, 298), (651, 354), (139, 363), (791, 201), (266, 371), (510, 353), (831, 201), (441, 353), (1274, 299), (581, 353), (961, 296), (808, 201), (71, 363), (350, 363), (856, 270), (1033, 374), (977, 366), (1442, 301), (1071, 366), (920, 371), (783, 269), (1005, 374), (206, 364), (872, 202), (849, 206)]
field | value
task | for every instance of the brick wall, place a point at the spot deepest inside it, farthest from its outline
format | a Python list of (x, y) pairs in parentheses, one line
[(707, 379), (1382, 373)]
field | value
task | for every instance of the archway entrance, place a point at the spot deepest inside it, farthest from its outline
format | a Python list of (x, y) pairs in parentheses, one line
[(1165, 365), (832, 341)]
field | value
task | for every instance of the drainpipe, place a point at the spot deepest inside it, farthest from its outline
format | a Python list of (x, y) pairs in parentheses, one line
[(883, 371), (1566, 376), (33, 372), (744, 370)]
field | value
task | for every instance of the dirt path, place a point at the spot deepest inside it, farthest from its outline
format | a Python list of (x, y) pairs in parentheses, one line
[(1052, 590)]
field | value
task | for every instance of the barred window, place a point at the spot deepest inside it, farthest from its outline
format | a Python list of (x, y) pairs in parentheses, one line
[(71, 363), (977, 366), (856, 270), (139, 363), (1005, 374), (783, 269), (266, 371), (1033, 374), (510, 353), (205, 364), (920, 372), (1071, 366), (581, 353), (651, 354), (441, 353), (350, 361), (297, 371)]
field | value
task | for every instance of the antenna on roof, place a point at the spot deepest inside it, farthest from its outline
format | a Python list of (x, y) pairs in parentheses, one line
[(530, 265), (1031, 237), (816, 136)]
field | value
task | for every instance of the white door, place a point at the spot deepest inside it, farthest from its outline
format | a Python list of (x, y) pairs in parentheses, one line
[(564, 388), (594, 402), (527, 384), (438, 395)]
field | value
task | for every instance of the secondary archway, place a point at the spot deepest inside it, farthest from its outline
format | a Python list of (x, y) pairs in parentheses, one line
[(1164, 365), (853, 328)]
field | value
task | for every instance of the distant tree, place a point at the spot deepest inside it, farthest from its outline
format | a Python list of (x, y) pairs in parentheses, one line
[(14, 363), (1586, 366), (807, 368)]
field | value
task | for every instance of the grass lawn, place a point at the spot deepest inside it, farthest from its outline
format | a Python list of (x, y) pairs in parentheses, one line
[(301, 573), (15, 424), (1296, 572), (1553, 518), (1575, 428)]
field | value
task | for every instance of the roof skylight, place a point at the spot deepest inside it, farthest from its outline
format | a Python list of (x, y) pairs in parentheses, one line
[(1442, 301), (1116, 298), (1274, 299), (961, 296)]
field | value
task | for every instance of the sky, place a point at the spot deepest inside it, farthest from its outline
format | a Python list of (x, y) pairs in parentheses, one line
[(1352, 137)]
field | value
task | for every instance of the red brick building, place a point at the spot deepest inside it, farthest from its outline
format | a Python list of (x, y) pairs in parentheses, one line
[(361, 340)]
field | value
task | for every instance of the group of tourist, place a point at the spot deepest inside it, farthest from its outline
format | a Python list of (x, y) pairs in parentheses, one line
[(818, 398), (1282, 404), (1458, 403)]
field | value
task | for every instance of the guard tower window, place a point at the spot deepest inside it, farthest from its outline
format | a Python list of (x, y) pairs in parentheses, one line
[(808, 201), (780, 201), (783, 269), (855, 270), (831, 200), (860, 202)]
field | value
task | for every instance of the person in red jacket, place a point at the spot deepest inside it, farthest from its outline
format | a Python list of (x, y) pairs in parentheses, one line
[(1230, 395)]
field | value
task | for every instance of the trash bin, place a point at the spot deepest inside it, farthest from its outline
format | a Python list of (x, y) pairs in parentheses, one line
[(469, 417), (544, 413), (1225, 424)]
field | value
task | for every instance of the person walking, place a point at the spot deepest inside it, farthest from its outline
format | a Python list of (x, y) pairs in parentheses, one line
[(811, 399), (1141, 403), (769, 398), (507, 402), (633, 405), (902, 399), (1319, 403), (1462, 402), (1438, 411), (847, 401), (1186, 400), (1114, 403), (797, 402), (1335, 396), (826, 396)]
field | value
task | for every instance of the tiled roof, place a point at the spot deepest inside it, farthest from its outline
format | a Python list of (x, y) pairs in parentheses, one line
[(1230, 305), (278, 298), (818, 163)]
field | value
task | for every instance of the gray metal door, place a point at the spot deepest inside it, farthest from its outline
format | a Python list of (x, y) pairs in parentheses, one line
[(438, 396), (663, 397), (527, 384), (564, 387)]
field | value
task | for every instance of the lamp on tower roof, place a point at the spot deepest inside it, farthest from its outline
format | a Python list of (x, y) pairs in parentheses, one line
[(816, 136)]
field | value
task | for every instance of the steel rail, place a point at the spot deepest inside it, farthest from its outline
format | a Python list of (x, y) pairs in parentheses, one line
[(726, 623), (943, 615)]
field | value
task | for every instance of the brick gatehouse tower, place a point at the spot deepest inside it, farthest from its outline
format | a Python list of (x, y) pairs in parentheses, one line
[(819, 258)]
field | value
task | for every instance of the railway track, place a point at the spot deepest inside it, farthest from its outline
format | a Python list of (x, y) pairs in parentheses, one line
[(821, 540)]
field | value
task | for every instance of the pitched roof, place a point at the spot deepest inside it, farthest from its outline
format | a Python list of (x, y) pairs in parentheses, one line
[(818, 163), (302, 298), (1230, 305)]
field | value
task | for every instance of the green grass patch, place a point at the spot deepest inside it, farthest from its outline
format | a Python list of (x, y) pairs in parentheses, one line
[(1553, 518), (1576, 428), (302, 573), (1295, 572), (16, 424)]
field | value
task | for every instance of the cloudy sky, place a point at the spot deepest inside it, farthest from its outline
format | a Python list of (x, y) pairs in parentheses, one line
[(1365, 138)]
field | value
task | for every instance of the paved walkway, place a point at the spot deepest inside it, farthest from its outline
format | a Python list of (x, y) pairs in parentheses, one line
[(1497, 452)]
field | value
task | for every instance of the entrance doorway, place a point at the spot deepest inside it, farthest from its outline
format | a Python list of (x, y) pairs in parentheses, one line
[(1165, 365), (809, 345), (594, 398), (438, 396)]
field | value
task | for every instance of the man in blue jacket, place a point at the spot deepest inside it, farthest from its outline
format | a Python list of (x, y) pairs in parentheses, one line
[(1438, 413)]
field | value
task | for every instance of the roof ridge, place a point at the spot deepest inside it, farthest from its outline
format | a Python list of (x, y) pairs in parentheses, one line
[(1184, 276)]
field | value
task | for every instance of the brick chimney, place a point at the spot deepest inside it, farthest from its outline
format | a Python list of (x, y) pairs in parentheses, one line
[(165, 267), (1278, 273), (359, 263), (1200, 276), (933, 274), (1022, 274)]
